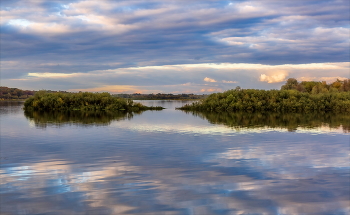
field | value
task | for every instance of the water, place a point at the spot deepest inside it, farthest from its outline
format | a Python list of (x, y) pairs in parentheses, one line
[(172, 162)]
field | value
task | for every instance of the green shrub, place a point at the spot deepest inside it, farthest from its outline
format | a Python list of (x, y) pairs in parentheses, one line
[(43, 100), (272, 100)]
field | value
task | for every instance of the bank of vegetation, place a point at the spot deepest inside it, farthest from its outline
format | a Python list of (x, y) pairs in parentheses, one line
[(293, 97), (43, 100), (7, 93)]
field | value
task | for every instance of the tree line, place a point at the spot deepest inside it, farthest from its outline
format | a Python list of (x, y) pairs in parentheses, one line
[(7, 93), (15, 93), (316, 87), (291, 97)]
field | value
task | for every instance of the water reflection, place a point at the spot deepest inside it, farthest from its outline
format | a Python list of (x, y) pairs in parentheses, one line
[(169, 162), (7, 107), (289, 121), (42, 119)]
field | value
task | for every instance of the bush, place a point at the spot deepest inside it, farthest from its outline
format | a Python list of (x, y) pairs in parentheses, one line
[(43, 100), (272, 100)]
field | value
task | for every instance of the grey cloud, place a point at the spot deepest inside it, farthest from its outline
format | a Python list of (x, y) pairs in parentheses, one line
[(138, 33)]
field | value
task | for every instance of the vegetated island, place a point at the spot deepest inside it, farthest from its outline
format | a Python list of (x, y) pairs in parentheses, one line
[(305, 96), (43, 101)]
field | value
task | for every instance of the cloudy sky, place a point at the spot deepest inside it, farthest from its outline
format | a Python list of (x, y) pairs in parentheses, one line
[(192, 46)]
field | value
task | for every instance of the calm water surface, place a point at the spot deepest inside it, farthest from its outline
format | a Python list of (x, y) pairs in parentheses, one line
[(172, 162)]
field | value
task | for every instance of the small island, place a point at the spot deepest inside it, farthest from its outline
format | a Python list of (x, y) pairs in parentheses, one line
[(305, 96), (43, 101)]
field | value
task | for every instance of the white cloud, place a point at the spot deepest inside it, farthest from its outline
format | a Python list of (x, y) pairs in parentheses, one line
[(274, 78), (51, 75), (206, 79), (19, 22), (211, 90)]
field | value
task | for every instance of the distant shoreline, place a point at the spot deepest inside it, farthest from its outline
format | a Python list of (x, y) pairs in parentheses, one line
[(13, 100)]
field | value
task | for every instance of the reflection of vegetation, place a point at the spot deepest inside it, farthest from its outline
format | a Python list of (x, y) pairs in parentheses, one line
[(290, 121), (7, 106), (6, 103), (43, 100), (273, 100), (44, 118)]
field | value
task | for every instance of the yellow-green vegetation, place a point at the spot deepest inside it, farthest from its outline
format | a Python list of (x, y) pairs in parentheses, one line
[(43, 100), (287, 100), (315, 87), (289, 121)]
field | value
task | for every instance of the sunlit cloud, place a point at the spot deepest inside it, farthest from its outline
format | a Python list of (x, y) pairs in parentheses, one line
[(181, 78), (50, 75), (37, 27), (20, 22), (323, 66), (112, 89), (206, 79), (274, 77)]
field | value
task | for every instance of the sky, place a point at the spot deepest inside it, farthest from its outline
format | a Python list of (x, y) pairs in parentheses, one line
[(168, 46)]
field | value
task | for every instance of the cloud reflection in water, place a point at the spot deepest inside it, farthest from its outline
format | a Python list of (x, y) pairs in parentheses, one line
[(170, 162)]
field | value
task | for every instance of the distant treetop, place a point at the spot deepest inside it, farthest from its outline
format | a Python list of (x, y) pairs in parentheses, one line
[(14, 93), (316, 87)]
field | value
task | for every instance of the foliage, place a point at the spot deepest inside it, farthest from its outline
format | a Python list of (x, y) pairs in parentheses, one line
[(287, 99), (315, 87), (43, 100), (290, 121), (14, 93)]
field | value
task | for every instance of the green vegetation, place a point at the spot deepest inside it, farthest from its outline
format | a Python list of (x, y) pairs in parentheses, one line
[(161, 96), (334, 97), (45, 101), (290, 121), (86, 118), (315, 87), (7, 93)]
